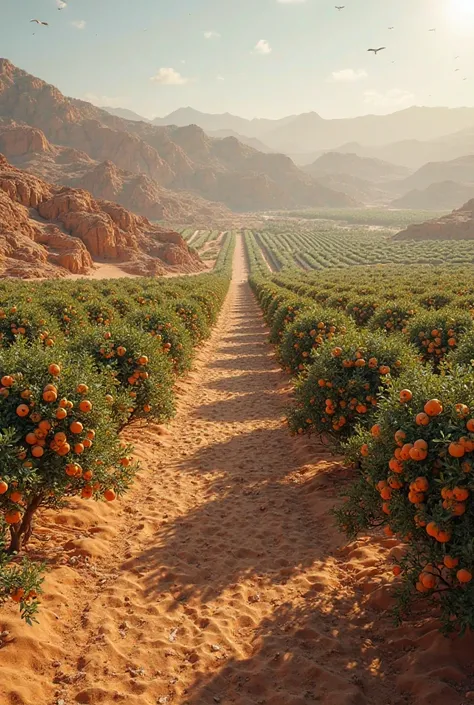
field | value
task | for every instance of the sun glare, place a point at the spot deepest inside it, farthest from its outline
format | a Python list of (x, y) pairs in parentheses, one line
[(461, 10)]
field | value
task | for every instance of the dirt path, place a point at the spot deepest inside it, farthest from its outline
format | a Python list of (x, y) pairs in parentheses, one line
[(218, 579)]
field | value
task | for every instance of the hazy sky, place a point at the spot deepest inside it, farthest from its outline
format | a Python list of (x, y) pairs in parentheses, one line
[(265, 58)]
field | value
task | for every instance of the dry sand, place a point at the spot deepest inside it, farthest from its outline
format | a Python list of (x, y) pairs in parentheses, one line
[(221, 578)]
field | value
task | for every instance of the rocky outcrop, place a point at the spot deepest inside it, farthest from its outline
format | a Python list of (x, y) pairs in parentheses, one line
[(59, 230), (137, 192), (179, 158), (458, 225)]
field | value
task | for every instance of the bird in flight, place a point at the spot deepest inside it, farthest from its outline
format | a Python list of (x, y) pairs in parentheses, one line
[(40, 22), (339, 7), (391, 27), (433, 29), (456, 70), (376, 50)]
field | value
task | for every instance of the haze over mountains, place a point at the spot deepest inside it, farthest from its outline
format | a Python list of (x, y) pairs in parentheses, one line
[(308, 133), (370, 157)]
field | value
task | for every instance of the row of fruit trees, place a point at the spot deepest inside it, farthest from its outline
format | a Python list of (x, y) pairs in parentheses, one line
[(79, 361)]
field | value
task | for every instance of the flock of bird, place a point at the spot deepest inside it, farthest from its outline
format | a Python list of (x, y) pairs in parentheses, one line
[(62, 5), (376, 51)]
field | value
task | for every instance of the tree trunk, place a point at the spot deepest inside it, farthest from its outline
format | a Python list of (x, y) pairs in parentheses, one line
[(20, 533)]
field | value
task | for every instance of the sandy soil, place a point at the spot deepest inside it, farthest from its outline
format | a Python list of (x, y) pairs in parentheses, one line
[(221, 577)]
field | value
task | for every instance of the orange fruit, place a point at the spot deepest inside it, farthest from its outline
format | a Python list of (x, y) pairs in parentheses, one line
[(87, 443), (450, 562), (143, 360), (44, 426), (396, 570), (464, 576), (63, 449), (87, 475), (90, 434), (462, 409), (79, 448), (37, 451), (54, 369), (421, 484), (428, 580), (109, 495), (7, 381), (76, 427), (443, 536), (86, 492), (121, 351), (470, 425), (456, 450), (31, 439), (3, 487), (13, 516), (364, 450), (61, 414), (49, 396), (406, 395), (82, 388), (422, 419), (376, 430), (433, 407), (60, 438), (22, 410), (85, 405), (147, 408), (460, 494)]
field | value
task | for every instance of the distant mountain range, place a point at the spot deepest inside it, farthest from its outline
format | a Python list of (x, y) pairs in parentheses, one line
[(309, 132)]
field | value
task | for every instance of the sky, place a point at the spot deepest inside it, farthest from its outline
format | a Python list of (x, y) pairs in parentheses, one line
[(253, 58)]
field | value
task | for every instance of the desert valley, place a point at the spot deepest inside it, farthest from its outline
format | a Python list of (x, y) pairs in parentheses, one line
[(236, 353)]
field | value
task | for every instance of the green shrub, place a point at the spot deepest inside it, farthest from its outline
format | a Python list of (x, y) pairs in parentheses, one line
[(435, 333), (307, 333), (344, 382)]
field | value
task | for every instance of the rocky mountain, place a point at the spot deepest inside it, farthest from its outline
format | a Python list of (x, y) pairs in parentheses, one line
[(50, 231), (28, 148), (177, 158), (224, 121), (310, 132), (353, 165), (460, 170), (249, 141), (458, 225), (444, 195), (361, 190), (413, 153), (125, 114)]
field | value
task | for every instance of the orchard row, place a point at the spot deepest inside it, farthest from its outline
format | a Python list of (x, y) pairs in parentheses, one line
[(383, 363), (78, 361)]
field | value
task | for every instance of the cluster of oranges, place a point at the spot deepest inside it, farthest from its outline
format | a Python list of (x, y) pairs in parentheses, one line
[(396, 320), (61, 433), (312, 340), (439, 577), (453, 499), (355, 398), (435, 344)]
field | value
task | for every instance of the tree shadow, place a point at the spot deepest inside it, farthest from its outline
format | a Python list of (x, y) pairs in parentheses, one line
[(257, 406), (298, 655), (260, 519)]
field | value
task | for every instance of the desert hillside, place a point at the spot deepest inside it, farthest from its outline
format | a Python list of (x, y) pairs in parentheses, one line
[(440, 195), (28, 148), (458, 225), (52, 231), (177, 158)]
